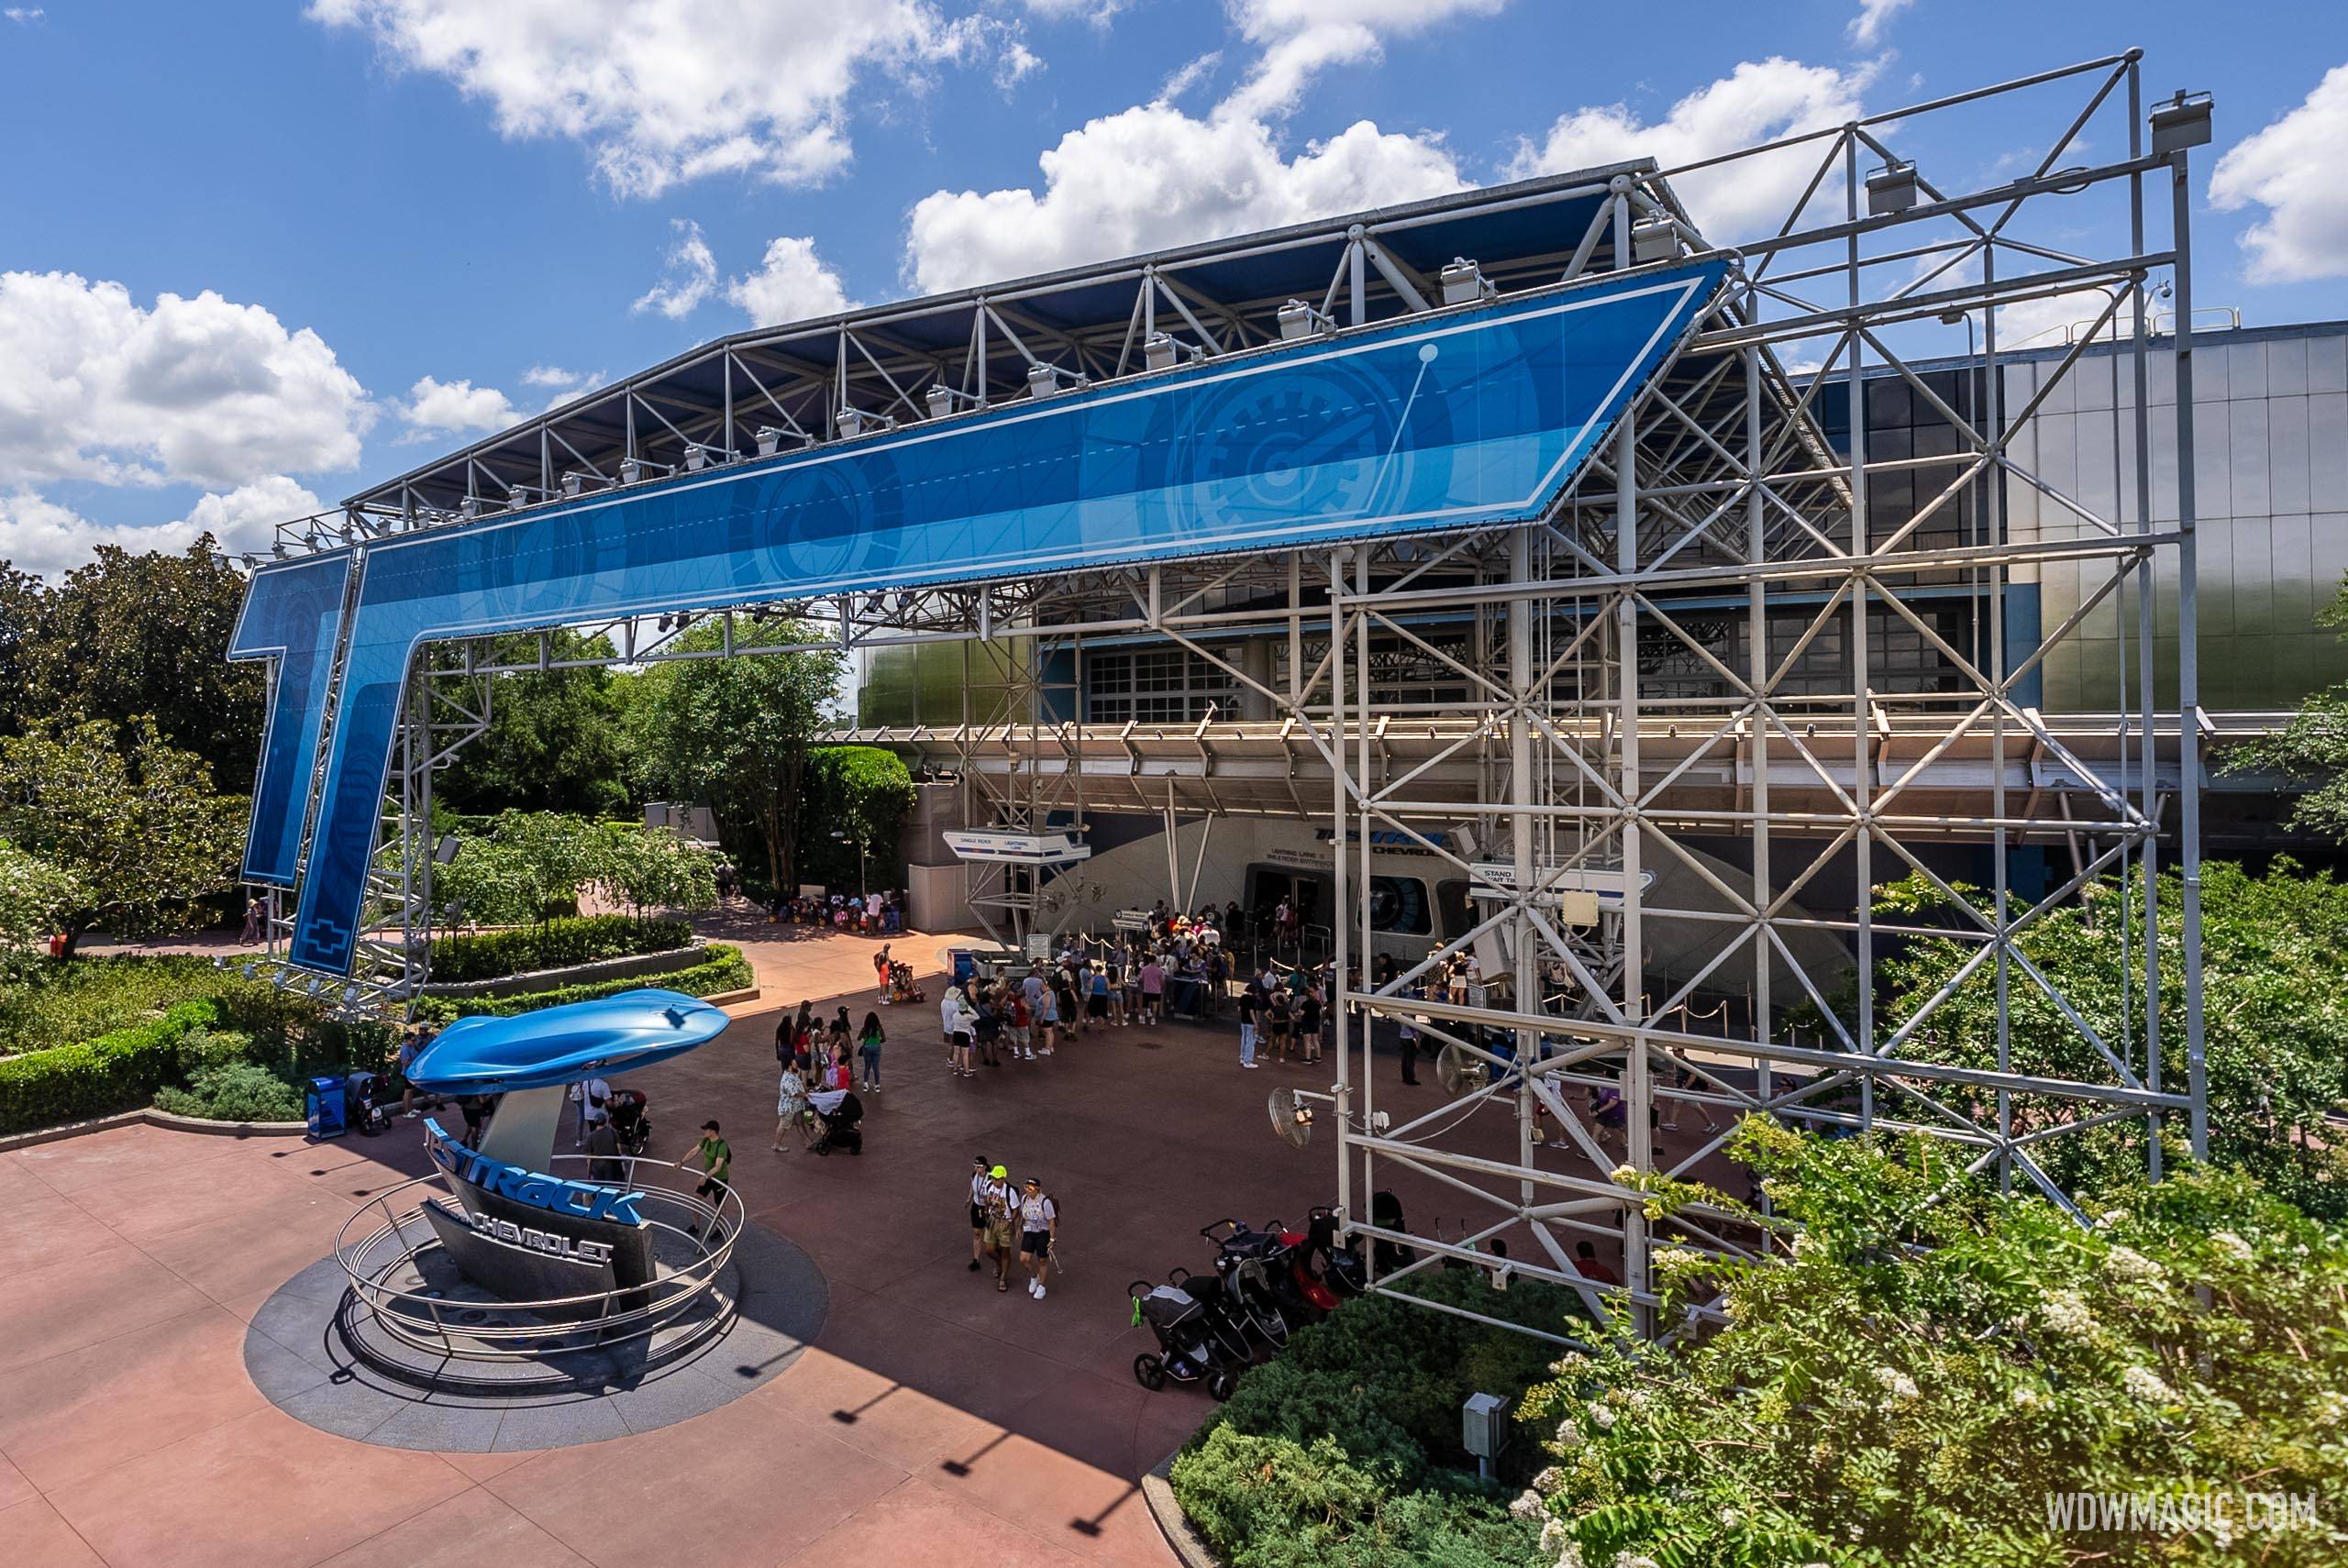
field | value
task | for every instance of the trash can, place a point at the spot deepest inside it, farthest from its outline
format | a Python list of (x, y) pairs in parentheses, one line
[(322, 1104), (965, 965)]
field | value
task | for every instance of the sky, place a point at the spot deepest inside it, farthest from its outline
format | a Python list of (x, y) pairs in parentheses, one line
[(254, 256)]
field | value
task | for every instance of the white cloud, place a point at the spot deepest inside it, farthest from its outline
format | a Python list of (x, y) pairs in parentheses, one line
[(24, 16), (1867, 28), (1018, 63), (1298, 39), (1097, 12), (668, 91), (1759, 101), (790, 284), (1152, 176), (435, 407), (1188, 74), (40, 536), (2291, 169), (687, 278), (195, 391), (554, 377)]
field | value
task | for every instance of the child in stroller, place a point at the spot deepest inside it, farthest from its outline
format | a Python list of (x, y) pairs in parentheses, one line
[(842, 1117), (1188, 1347), (626, 1110), (901, 986)]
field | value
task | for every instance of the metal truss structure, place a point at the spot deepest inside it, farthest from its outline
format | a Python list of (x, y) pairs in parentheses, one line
[(1628, 685)]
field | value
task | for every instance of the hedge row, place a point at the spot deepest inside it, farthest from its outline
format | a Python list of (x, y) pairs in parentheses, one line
[(1346, 1450), (554, 944), (96, 1077), (725, 970)]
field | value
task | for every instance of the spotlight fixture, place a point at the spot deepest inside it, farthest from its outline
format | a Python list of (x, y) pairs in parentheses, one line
[(279, 551), (940, 398), (1044, 381), (631, 471), (1657, 239), (1160, 352), (1463, 282), (1892, 189), (1301, 320), (2181, 122), (853, 422), (573, 482)]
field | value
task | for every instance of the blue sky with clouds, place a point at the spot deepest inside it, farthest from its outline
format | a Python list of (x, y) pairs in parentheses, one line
[(253, 255)]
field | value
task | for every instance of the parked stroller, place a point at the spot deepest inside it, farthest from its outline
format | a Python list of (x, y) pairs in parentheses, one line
[(1248, 1281), (1339, 1264), (626, 1109), (1227, 1317), (1288, 1257), (1188, 1351), (842, 1115)]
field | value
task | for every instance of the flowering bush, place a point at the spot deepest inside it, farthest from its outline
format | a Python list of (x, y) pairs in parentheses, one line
[(1916, 1378)]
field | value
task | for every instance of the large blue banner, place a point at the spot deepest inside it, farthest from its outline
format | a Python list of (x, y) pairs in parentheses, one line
[(1466, 418)]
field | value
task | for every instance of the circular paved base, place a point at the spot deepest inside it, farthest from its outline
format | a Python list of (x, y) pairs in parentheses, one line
[(299, 1353)]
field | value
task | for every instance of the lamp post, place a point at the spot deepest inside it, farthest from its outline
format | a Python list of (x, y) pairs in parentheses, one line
[(856, 840)]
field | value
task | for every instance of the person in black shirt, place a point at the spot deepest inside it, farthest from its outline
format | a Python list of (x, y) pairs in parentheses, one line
[(1251, 1004), (1307, 1024)]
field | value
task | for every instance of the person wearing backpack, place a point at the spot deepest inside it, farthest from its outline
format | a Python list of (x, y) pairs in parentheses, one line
[(1039, 1226)]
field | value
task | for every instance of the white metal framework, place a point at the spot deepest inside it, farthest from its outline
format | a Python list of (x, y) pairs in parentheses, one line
[(1744, 649)]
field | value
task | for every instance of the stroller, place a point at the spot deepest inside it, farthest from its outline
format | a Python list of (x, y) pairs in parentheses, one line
[(1251, 1280), (1340, 1264), (1188, 1347), (901, 986), (842, 1115), (626, 1110)]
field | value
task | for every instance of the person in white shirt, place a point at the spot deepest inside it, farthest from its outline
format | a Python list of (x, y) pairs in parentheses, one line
[(790, 1105), (1039, 1226), (593, 1098), (954, 1013)]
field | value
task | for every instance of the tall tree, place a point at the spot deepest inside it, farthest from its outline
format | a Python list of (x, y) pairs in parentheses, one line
[(855, 796), (735, 732), (554, 742), (139, 636), (130, 818)]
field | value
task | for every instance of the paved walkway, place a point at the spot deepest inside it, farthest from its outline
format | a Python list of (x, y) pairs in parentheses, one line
[(934, 1420)]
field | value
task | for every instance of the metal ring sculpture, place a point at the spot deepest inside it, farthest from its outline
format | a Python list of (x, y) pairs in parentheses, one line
[(421, 1319)]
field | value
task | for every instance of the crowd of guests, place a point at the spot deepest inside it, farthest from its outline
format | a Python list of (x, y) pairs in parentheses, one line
[(877, 913)]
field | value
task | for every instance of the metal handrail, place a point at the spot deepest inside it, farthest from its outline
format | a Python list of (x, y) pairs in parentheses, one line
[(396, 1311)]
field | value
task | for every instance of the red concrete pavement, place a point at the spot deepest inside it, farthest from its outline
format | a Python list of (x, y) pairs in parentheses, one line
[(934, 1417)]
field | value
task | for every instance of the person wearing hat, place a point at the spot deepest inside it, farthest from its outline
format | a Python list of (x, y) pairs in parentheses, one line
[(983, 1178), (1001, 1209), (1039, 1223)]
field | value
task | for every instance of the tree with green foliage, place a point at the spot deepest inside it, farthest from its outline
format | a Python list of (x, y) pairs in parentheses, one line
[(139, 634), (1914, 1366), (2275, 979), (735, 733), (653, 868), (527, 869), (35, 899), (861, 794), (555, 741), (131, 819)]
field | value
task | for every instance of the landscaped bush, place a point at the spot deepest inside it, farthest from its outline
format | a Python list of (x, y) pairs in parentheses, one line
[(1346, 1450), (1930, 1364), (98, 1078), (233, 1091), (725, 970), (81, 998), (493, 954)]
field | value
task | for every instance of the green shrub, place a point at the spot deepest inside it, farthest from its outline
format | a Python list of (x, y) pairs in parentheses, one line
[(1930, 1361), (558, 943), (1346, 1450), (96, 1077), (81, 998), (724, 970), (233, 1091), (1270, 1502)]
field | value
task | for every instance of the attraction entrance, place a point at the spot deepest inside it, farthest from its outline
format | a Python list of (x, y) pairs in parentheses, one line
[(1532, 532)]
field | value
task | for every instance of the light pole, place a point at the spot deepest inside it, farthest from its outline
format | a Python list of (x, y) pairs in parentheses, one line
[(861, 889)]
